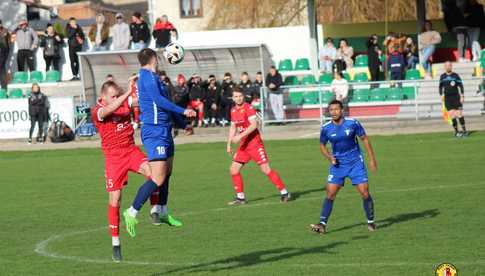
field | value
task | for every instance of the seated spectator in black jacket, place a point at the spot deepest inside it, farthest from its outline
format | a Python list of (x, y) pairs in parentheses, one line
[(52, 43), (211, 102), (257, 84), (246, 87), (38, 108), (180, 94), (196, 97), (226, 99)]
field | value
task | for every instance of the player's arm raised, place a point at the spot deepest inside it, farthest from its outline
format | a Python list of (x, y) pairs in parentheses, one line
[(370, 152), (232, 133), (253, 125), (110, 108)]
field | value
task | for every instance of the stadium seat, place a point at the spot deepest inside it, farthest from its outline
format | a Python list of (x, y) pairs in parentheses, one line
[(361, 95), (302, 64), (291, 80), (325, 79), (3, 93), (52, 76), (482, 54), (310, 97), (327, 96), (285, 65), (361, 77), (308, 79), (395, 94), (346, 76), (408, 93), (296, 98), (361, 61), (378, 94), (20, 77), (413, 74), (15, 93), (36, 76)]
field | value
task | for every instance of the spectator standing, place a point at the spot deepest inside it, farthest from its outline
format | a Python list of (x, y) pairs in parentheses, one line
[(396, 64), (212, 97), (345, 52), (328, 54), (162, 32), (52, 43), (373, 54), (27, 41), (427, 40), (99, 34), (475, 20), (75, 39), (120, 32), (38, 108), (246, 87), (226, 99), (410, 52), (273, 82), (4, 52), (139, 31)]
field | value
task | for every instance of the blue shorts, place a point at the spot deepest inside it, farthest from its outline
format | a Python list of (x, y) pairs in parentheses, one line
[(355, 170), (158, 142)]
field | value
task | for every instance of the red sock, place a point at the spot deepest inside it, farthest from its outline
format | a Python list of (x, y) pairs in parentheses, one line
[(155, 197), (136, 114), (237, 182), (114, 220), (275, 178)]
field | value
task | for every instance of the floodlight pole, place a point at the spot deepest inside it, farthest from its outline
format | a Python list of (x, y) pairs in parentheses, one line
[(312, 24)]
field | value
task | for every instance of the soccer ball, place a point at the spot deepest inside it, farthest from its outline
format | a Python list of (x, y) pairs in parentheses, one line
[(174, 53)]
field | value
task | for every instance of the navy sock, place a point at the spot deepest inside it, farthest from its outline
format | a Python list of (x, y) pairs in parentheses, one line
[(455, 124), (164, 189), (369, 208), (462, 123), (326, 210), (144, 192)]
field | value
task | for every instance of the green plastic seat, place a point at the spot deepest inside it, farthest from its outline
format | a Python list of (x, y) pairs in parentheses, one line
[(413, 74), (52, 76), (408, 93), (302, 64), (482, 63), (310, 97), (482, 54), (395, 94), (361, 61), (3, 93), (36, 76), (361, 95), (308, 79), (361, 77), (296, 98), (15, 93), (346, 76), (378, 94), (285, 65), (325, 79), (327, 96), (291, 80), (20, 77)]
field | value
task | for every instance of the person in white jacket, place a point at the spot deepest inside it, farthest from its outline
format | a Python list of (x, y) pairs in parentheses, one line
[(340, 88), (327, 56), (120, 32)]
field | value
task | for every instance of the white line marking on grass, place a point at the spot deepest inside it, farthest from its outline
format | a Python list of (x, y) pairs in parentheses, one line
[(41, 247)]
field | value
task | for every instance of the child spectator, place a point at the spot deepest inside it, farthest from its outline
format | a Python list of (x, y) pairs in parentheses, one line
[(396, 64)]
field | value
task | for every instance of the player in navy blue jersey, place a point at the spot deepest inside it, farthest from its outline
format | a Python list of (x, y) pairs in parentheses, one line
[(346, 161)]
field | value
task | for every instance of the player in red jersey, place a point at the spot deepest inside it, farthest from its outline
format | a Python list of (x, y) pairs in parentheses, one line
[(112, 117), (244, 130)]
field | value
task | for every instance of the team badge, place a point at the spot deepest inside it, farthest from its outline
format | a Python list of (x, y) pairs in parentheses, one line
[(446, 269), (452, 83)]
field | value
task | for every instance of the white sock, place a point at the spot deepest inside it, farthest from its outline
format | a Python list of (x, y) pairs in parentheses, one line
[(240, 195), (284, 191), (163, 210), (115, 241), (156, 209), (132, 212), (370, 221)]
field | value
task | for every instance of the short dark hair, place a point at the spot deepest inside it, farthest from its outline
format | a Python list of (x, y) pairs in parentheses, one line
[(162, 73), (137, 15), (237, 89), (336, 102), (108, 84), (109, 76), (212, 76), (329, 39), (272, 67), (245, 73), (145, 55), (259, 73), (72, 18), (227, 74)]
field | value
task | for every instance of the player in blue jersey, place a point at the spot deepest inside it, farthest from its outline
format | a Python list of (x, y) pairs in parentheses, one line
[(346, 161), (157, 115)]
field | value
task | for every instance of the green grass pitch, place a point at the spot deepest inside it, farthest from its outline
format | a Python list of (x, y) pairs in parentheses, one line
[(429, 196)]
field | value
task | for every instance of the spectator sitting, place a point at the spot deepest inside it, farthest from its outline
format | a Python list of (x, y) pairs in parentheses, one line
[(212, 98), (109, 77), (99, 33), (52, 43), (396, 64), (274, 81), (27, 42), (373, 54), (327, 56), (257, 84), (180, 94), (226, 99), (345, 52), (38, 105), (427, 40), (246, 87), (140, 34), (4, 52), (75, 39), (120, 32), (162, 32), (410, 52), (340, 89), (196, 97)]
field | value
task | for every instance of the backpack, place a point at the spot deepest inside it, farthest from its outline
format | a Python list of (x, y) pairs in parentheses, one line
[(60, 132)]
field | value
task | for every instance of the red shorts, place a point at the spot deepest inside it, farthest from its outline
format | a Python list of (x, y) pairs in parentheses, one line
[(196, 104), (118, 163), (256, 153)]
